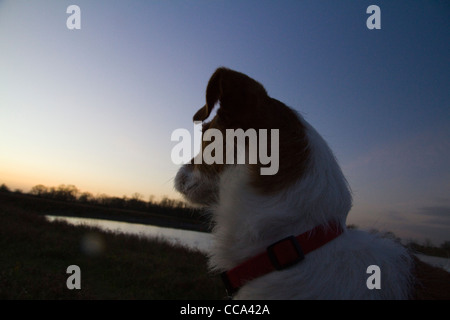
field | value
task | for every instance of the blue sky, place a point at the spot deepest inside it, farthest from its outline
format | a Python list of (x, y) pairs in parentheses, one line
[(96, 107)]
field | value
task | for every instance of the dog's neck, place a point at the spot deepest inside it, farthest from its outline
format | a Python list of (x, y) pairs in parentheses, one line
[(246, 221)]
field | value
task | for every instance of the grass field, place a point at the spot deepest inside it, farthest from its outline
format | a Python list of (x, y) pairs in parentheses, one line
[(35, 255)]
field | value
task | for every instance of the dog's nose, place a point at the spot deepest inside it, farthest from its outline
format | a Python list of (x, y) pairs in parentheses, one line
[(181, 179)]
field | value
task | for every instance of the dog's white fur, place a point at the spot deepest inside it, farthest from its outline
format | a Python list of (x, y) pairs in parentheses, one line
[(247, 221)]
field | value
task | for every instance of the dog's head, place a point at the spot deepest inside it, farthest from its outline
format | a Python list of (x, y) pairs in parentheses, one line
[(245, 107)]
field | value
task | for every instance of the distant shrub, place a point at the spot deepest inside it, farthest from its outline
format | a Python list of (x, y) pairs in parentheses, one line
[(4, 188)]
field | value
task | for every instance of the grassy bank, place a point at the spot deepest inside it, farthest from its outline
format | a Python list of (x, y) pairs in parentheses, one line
[(36, 253)]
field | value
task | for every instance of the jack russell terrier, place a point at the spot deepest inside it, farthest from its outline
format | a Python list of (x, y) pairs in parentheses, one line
[(283, 235)]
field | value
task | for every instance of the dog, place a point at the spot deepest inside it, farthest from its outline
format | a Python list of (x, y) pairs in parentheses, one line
[(284, 236)]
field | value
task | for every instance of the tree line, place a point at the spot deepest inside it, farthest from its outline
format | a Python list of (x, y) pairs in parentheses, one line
[(70, 193)]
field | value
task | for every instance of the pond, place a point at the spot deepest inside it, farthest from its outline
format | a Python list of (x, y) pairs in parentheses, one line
[(192, 239)]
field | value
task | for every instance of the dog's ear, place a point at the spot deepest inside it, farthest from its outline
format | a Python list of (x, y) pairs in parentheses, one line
[(213, 94), (238, 94)]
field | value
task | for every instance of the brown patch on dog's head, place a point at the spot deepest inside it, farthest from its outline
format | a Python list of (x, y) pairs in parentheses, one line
[(239, 96), (244, 104)]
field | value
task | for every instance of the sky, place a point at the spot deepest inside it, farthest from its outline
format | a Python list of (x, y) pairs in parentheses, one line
[(95, 107)]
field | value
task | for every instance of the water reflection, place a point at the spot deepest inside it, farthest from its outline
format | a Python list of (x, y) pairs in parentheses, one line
[(192, 239)]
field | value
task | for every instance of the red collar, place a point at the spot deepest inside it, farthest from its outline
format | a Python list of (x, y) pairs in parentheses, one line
[(280, 255)]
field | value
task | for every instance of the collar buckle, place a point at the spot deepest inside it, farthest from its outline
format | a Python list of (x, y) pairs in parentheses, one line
[(285, 253)]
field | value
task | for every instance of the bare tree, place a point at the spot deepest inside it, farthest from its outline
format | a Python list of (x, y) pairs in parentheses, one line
[(39, 190)]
